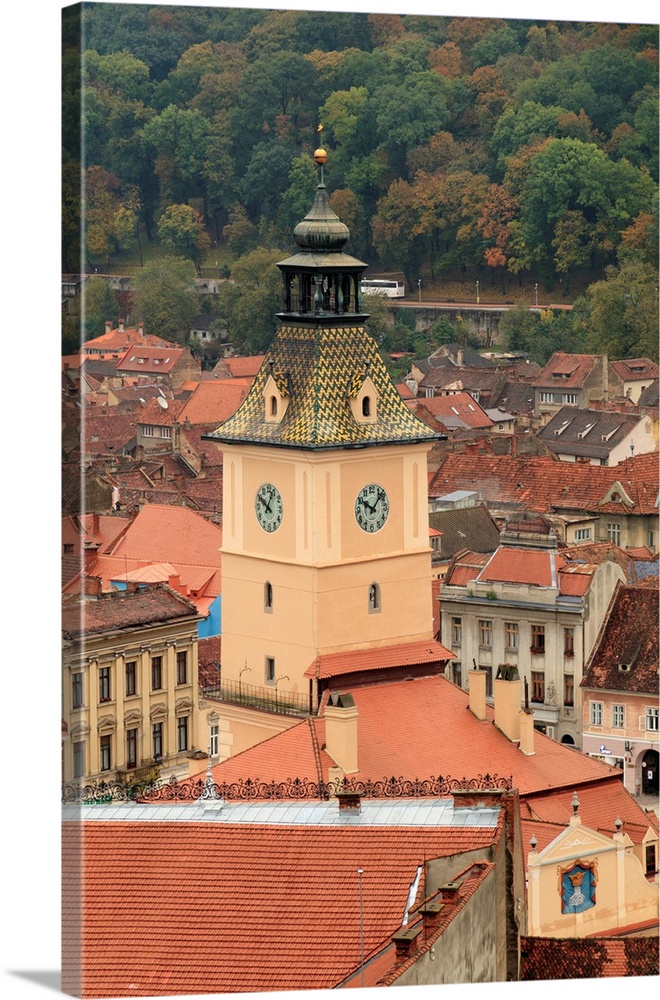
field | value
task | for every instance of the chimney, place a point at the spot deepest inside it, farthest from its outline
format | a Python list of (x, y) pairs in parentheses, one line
[(121, 326), (341, 716), (527, 732), (141, 329), (449, 891), (349, 801), (477, 691), (95, 524), (527, 726), (431, 913), (506, 692), (108, 326), (91, 586), (405, 942)]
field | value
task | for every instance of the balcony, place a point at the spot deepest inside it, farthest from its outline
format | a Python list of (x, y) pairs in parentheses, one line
[(268, 699)]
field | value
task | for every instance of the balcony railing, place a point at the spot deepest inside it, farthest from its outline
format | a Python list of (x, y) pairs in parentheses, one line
[(253, 696)]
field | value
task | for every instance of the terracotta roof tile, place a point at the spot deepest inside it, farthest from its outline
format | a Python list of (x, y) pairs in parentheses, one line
[(355, 661), (635, 368), (213, 402), (277, 880), (629, 636), (570, 370), (587, 958), (119, 609)]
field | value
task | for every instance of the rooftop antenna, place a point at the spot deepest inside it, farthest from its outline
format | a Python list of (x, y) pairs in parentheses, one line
[(320, 155)]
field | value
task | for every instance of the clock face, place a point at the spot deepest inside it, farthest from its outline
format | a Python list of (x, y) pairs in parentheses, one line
[(372, 507), (269, 507)]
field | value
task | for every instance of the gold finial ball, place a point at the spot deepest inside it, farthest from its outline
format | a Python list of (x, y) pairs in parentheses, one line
[(320, 156)]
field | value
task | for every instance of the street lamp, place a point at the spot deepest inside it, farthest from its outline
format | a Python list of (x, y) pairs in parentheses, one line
[(477, 293), (419, 288), (536, 293)]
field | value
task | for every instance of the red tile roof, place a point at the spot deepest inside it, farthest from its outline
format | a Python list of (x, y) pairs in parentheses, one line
[(400, 655), (532, 567), (635, 368), (421, 727), (150, 360), (546, 484), (213, 402), (199, 907), (158, 415), (587, 958), (243, 367), (569, 370), (148, 606), (629, 636), (119, 340), (458, 410)]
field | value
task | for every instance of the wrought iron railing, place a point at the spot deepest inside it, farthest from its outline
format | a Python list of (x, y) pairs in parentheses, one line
[(248, 789), (252, 696)]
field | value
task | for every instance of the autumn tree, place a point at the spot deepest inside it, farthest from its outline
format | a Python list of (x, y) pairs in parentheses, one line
[(181, 231), (109, 223), (164, 297)]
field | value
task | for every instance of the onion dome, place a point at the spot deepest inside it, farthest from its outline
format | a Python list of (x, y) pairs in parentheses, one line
[(321, 229)]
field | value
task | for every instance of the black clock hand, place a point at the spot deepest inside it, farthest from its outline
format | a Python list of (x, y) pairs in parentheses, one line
[(365, 503), (266, 505)]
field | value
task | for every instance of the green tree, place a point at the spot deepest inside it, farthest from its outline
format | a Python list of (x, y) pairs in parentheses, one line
[(623, 311), (180, 139), (250, 301), (181, 231), (164, 297), (99, 304), (241, 234)]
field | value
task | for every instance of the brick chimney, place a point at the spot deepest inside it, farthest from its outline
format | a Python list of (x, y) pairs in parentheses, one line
[(349, 801), (121, 326), (431, 913), (507, 697), (405, 942), (449, 891), (341, 718), (477, 691), (108, 326)]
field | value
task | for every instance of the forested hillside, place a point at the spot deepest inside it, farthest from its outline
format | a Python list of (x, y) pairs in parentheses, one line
[(505, 150)]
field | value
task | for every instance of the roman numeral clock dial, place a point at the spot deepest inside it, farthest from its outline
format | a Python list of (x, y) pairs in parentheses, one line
[(372, 507), (268, 507)]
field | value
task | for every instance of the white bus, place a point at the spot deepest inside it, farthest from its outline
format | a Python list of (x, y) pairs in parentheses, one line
[(391, 288)]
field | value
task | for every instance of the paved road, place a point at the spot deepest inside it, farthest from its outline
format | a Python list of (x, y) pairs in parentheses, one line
[(452, 304)]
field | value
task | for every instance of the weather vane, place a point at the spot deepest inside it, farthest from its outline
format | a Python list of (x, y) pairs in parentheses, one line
[(320, 155)]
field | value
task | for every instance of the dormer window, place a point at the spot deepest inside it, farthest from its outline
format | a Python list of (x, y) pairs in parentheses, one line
[(277, 396), (363, 398)]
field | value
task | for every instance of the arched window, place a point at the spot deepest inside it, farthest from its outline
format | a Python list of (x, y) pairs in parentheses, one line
[(366, 406), (268, 596), (273, 406), (374, 598)]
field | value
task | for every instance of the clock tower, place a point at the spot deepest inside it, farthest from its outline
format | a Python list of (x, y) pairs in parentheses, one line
[(325, 527)]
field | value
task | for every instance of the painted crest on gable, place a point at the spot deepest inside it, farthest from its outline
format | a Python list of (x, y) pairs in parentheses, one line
[(577, 886)]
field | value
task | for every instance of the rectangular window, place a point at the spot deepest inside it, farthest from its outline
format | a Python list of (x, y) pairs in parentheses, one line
[(618, 716), (157, 740), (650, 859), (106, 753), (131, 747), (569, 689), (538, 686), (596, 713), (77, 696), (270, 669), (569, 642), (547, 397), (511, 635), (456, 674), (614, 533), (651, 539), (485, 632), (79, 760), (156, 673), (182, 732), (652, 719), (538, 638), (569, 397), (166, 432), (456, 631), (104, 684), (582, 534), (148, 431), (488, 670), (131, 671), (214, 740), (182, 667)]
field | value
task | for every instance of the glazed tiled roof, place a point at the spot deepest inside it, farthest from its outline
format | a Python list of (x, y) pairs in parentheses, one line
[(421, 727), (587, 958), (629, 637), (593, 433), (138, 897), (567, 370), (321, 363), (546, 484), (149, 605), (400, 655)]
